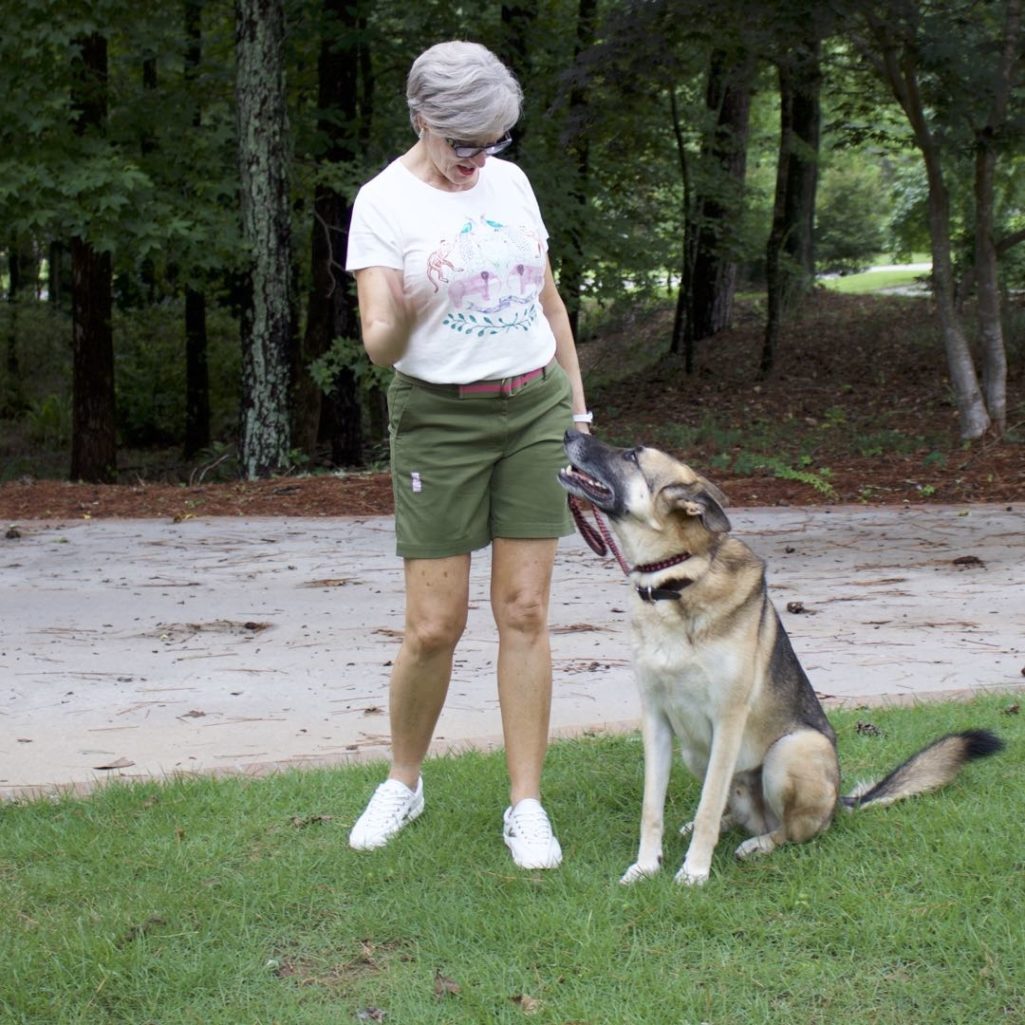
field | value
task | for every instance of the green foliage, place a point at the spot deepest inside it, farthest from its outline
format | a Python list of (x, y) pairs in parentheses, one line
[(157, 185), (908, 228), (49, 421), (850, 218), (348, 354), (149, 350)]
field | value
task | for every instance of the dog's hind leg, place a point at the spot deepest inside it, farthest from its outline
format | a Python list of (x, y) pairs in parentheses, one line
[(658, 760), (801, 786)]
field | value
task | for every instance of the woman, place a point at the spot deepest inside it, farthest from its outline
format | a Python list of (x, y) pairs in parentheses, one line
[(456, 292)]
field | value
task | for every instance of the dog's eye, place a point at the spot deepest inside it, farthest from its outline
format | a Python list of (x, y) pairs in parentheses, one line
[(631, 454)]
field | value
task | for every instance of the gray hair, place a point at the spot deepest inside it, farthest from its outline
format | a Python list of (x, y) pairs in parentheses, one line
[(463, 91)]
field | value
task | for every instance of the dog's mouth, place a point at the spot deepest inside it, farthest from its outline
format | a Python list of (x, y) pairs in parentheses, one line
[(580, 483)]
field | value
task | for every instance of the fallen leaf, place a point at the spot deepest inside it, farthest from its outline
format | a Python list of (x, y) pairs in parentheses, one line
[(311, 820), (120, 763), (969, 562), (527, 1004), (444, 987), (371, 1014)]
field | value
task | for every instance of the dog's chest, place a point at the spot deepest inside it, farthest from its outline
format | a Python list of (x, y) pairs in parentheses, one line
[(690, 681), (678, 671)]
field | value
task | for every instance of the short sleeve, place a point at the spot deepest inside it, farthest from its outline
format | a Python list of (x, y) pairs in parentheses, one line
[(373, 236)]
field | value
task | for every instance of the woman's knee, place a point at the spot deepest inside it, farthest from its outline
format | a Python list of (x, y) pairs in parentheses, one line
[(434, 631), (522, 613)]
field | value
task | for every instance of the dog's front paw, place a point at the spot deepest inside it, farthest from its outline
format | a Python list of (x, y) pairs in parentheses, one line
[(691, 877), (638, 871)]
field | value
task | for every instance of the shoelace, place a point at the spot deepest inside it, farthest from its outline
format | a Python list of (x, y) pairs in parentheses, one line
[(531, 824), (389, 804)]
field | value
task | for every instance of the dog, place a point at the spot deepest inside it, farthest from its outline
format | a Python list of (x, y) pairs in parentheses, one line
[(715, 668)]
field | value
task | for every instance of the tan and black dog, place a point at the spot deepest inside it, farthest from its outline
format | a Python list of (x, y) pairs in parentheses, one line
[(716, 669)]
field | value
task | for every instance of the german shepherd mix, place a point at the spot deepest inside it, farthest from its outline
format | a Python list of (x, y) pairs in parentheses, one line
[(715, 667)]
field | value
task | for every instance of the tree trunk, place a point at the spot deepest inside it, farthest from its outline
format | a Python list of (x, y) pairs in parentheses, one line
[(790, 251), (12, 402), (517, 21), (268, 341), (55, 274), (682, 339), (991, 331), (331, 310), (571, 271), (197, 374), (714, 278), (897, 63), (93, 431), (93, 426)]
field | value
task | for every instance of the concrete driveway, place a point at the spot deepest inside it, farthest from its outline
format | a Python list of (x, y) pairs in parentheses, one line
[(140, 648)]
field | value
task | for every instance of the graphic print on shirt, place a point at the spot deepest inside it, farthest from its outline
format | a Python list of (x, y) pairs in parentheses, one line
[(493, 273)]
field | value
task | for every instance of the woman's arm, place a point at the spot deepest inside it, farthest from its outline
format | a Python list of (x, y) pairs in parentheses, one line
[(385, 314), (565, 348)]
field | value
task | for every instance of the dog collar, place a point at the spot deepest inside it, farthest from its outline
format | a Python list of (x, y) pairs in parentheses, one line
[(655, 567), (667, 591)]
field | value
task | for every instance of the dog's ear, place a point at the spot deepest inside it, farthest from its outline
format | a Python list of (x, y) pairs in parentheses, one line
[(703, 500)]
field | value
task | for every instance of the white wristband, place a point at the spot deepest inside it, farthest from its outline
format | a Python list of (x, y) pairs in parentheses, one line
[(583, 418)]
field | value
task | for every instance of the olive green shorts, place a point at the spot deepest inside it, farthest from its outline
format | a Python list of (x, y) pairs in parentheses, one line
[(466, 470)]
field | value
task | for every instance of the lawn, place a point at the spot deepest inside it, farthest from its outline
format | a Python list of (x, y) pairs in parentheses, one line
[(238, 901), (875, 280)]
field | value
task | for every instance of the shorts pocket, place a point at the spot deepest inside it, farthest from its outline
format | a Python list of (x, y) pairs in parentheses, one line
[(399, 394)]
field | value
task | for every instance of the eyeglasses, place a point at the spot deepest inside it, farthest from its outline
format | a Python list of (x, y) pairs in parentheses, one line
[(464, 150)]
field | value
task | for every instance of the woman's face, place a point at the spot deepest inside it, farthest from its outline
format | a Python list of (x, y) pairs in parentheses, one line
[(453, 170)]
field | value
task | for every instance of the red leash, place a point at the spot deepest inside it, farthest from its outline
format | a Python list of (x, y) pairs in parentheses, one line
[(600, 543)]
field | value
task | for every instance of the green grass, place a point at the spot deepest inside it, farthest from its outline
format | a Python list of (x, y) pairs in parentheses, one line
[(873, 281), (238, 901)]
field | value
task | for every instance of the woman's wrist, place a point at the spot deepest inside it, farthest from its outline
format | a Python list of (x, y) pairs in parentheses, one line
[(583, 418)]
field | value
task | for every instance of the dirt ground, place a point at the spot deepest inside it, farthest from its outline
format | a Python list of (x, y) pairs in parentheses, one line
[(858, 410)]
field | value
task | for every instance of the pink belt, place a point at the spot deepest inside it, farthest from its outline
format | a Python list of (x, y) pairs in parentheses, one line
[(503, 385), (500, 386)]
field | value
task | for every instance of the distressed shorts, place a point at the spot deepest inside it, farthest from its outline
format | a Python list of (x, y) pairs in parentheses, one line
[(467, 469)]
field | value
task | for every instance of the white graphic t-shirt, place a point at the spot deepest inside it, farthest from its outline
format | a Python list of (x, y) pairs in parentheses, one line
[(473, 263)]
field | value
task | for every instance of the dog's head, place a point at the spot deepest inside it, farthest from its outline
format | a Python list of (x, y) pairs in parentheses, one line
[(652, 500)]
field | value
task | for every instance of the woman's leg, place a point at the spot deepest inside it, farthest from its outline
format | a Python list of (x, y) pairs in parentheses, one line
[(437, 593), (437, 598), (521, 574)]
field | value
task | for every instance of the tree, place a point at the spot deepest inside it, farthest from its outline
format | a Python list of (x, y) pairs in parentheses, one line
[(713, 274), (574, 253), (989, 132), (937, 61), (790, 251), (94, 435), (331, 308), (268, 335), (197, 375)]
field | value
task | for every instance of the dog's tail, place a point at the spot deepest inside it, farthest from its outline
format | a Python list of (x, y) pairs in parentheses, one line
[(931, 768)]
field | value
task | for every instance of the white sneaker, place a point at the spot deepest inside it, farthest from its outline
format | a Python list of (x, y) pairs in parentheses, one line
[(528, 835), (392, 807)]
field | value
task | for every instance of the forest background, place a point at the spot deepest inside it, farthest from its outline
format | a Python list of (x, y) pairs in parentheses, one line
[(176, 181)]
